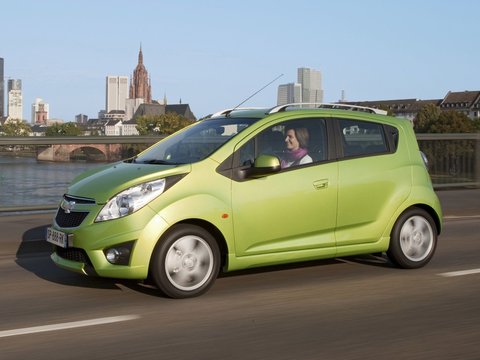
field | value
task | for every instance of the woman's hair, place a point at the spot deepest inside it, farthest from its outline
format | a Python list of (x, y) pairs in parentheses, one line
[(302, 136)]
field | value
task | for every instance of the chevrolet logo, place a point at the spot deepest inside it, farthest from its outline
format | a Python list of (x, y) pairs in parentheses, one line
[(67, 206)]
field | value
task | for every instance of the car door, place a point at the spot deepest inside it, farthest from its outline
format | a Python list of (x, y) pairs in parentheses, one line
[(374, 179), (293, 209)]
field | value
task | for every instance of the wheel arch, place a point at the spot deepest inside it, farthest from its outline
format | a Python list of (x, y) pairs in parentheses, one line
[(431, 212)]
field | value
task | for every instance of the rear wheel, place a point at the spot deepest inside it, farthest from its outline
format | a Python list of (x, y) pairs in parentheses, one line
[(186, 262), (413, 239)]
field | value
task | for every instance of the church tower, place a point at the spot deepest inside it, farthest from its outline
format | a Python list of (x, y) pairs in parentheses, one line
[(140, 87)]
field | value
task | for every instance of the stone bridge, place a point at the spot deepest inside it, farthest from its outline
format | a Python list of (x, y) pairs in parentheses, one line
[(86, 152)]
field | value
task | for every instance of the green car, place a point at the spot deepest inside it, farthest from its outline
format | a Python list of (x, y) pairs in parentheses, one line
[(252, 187)]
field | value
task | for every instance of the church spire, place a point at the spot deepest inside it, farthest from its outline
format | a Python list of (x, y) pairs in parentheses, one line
[(140, 87), (140, 55)]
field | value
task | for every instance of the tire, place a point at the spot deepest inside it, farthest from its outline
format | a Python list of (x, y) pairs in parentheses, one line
[(413, 239), (185, 262)]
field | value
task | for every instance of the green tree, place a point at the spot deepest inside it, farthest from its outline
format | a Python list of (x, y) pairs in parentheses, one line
[(431, 119), (453, 122), (67, 129), (15, 128), (427, 116), (165, 124)]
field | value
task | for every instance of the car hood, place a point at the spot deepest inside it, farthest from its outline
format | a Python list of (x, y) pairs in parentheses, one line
[(106, 181)]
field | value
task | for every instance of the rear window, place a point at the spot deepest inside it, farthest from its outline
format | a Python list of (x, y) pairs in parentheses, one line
[(361, 138)]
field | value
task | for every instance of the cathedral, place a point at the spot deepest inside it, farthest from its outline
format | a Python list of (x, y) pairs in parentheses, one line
[(140, 87)]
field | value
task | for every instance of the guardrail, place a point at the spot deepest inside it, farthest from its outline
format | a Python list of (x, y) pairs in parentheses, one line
[(28, 184), (454, 159)]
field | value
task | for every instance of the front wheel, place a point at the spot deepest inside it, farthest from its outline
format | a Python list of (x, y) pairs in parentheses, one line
[(186, 262), (413, 239)]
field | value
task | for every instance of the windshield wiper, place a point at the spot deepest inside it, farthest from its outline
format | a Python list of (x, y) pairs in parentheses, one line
[(160, 162)]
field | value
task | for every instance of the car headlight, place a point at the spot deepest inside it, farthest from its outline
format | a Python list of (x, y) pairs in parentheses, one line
[(131, 200)]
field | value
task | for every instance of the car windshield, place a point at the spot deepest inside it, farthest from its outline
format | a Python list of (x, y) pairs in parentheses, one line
[(195, 143)]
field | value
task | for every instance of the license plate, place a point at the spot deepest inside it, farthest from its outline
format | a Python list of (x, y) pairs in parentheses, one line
[(58, 238)]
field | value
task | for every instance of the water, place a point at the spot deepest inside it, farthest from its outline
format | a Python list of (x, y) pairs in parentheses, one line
[(25, 181)]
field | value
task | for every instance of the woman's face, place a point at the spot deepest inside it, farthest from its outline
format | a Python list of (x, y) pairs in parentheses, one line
[(291, 140)]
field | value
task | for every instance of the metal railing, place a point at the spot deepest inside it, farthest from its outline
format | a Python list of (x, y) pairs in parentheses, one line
[(29, 184), (453, 159)]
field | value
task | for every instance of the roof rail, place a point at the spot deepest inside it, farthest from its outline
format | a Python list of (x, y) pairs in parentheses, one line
[(227, 112), (281, 108)]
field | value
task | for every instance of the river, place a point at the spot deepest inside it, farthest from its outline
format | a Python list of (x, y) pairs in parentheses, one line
[(25, 181)]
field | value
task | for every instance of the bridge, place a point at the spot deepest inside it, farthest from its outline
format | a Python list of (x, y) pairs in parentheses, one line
[(88, 152)]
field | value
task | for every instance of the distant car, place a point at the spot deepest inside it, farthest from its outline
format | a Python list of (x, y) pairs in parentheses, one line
[(252, 187)]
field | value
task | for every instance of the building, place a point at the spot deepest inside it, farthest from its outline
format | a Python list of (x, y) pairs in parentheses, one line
[(40, 112), (467, 102), (2, 90), (81, 119), (289, 93), (140, 87), (307, 89), (116, 93), (121, 128), (311, 82), (402, 108), (155, 109), (131, 107), (15, 102)]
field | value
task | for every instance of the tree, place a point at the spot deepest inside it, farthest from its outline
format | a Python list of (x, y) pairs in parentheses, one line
[(15, 128), (67, 129), (453, 122), (165, 124), (431, 119), (427, 116)]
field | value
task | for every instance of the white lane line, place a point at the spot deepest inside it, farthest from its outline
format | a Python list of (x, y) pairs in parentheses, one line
[(461, 217), (460, 273), (69, 325)]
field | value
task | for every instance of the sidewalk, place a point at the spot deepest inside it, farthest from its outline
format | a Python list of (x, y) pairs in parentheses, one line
[(24, 234)]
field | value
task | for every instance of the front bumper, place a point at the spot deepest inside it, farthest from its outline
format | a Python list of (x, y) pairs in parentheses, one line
[(89, 240)]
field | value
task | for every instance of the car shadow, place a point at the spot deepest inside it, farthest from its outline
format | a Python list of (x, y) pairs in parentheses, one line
[(379, 260), (34, 252), (33, 255)]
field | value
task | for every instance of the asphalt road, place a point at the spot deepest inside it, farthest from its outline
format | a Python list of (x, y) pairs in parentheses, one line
[(349, 308)]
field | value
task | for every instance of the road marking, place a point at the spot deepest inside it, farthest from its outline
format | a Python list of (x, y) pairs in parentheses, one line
[(461, 217), (460, 273), (69, 325)]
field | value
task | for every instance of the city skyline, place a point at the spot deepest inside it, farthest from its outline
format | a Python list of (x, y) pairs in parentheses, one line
[(195, 52)]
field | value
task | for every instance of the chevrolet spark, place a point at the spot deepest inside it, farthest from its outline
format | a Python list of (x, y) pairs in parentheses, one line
[(252, 187)]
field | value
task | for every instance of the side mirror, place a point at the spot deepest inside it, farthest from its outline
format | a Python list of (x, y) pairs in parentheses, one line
[(265, 165)]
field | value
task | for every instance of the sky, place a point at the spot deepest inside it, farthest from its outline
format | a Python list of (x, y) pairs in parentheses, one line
[(215, 54)]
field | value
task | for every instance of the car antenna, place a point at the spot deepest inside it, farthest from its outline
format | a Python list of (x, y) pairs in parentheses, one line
[(244, 101)]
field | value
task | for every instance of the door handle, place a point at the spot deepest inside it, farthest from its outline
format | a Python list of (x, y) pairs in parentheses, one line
[(320, 184)]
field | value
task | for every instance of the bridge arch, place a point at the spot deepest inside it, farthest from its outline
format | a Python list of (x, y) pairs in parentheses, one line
[(84, 152)]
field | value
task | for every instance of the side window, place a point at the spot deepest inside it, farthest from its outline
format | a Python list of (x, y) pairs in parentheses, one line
[(246, 154), (294, 142), (362, 138)]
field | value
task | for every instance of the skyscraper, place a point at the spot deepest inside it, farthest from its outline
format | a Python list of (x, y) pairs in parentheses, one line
[(2, 90), (15, 103), (117, 93), (311, 81), (289, 93), (140, 87)]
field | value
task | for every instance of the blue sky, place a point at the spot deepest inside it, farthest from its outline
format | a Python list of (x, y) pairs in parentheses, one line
[(214, 54)]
